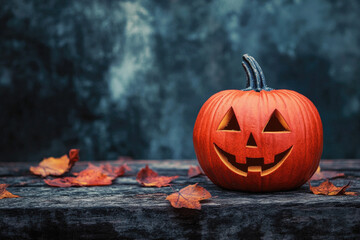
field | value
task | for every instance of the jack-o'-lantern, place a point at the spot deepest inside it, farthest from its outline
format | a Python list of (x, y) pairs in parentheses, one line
[(258, 139)]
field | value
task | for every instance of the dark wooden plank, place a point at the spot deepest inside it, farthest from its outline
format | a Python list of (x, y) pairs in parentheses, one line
[(126, 210)]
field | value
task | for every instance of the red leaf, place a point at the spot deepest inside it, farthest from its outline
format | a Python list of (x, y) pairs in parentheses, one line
[(189, 197), (56, 166), (5, 193), (92, 176), (74, 155), (327, 188), (149, 178), (194, 171)]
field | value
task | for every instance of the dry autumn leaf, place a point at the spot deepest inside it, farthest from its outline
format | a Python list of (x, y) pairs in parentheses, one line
[(325, 175), (115, 171), (5, 193), (189, 197), (91, 176), (194, 171), (327, 188), (149, 178), (110, 170), (56, 166)]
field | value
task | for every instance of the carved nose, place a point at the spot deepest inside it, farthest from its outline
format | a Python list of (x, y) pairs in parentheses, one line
[(251, 142)]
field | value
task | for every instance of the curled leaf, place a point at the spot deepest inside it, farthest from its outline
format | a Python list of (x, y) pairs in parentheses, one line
[(189, 197), (149, 178), (74, 155), (91, 176), (5, 193), (56, 166), (327, 188), (194, 171)]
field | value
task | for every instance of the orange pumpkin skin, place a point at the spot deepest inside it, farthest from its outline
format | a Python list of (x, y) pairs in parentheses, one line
[(269, 160)]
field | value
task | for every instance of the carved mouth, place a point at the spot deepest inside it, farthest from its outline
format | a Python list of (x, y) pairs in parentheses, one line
[(252, 164)]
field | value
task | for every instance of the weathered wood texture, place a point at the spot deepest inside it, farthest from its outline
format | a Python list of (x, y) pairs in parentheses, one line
[(125, 210)]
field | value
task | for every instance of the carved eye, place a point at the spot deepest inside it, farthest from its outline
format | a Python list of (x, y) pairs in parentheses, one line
[(276, 123), (229, 122)]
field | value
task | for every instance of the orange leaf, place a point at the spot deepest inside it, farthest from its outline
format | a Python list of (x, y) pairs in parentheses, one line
[(325, 174), (327, 188), (115, 171), (194, 171), (189, 197), (5, 193), (56, 166), (87, 177), (149, 178), (91, 176)]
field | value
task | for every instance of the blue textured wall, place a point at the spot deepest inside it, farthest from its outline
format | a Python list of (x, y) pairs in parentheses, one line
[(128, 78)]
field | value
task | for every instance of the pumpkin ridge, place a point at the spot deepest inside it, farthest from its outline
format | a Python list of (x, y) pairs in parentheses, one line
[(313, 128), (314, 117), (199, 126), (308, 118), (211, 105), (225, 96), (299, 105)]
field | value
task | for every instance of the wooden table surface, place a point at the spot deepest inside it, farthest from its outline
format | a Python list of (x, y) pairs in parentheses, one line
[(125, 210)]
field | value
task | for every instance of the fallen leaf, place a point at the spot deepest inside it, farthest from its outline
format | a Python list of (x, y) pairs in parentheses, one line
[(60, 182), (108, 169), (56, 166), (325, 175), (194, 171), (5, 193), (91, 176), (327, 188), (115, 171), (189, 197), (149, 178), (86, 178)]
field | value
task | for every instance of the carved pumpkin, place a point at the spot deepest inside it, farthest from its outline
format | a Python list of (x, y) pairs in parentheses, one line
[(258, 139)]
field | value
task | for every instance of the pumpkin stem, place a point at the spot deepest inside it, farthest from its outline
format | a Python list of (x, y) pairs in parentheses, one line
[(255, 76)]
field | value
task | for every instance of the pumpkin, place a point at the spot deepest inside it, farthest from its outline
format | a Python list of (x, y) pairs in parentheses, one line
[(258, 139)]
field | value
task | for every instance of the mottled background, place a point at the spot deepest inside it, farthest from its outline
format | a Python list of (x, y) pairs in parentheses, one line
[(127, 78)]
